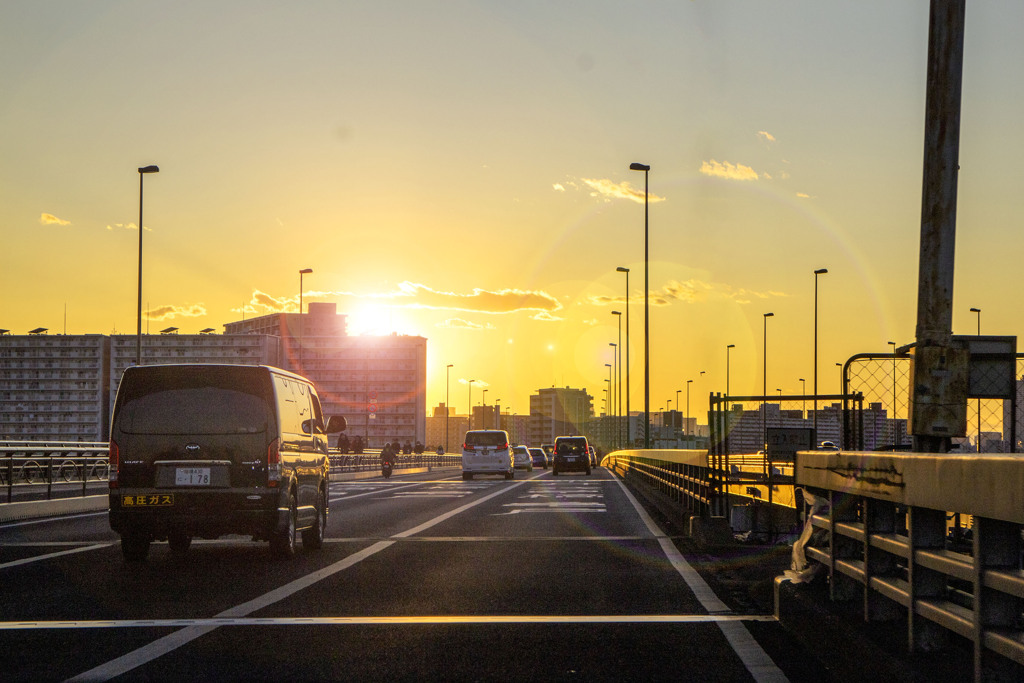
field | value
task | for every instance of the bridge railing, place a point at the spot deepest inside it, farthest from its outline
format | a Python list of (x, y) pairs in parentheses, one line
[(887, 536), (369, 460), (54, 469), (59, 469)]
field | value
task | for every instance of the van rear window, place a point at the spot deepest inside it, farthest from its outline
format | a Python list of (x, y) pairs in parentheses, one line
[(486, 438), (194, 403)]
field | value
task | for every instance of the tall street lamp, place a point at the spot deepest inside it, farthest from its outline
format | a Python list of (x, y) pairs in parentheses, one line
[(895, 425), (615, 374), (819, 271), (629, 437), (618, 380), (764, 387), (497, 413), (483, 411), (302, 322), (978, 311), (470, 383), (447, 403), (803, 407), (647, 309), (678, 391), (687, 417), (138, 336), (730, 346)]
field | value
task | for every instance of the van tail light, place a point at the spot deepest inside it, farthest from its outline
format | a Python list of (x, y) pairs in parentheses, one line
[(274, 463), (113, 462), (503, 446), (467, 447)]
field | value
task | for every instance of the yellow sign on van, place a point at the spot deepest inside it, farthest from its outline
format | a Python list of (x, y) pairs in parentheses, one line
[(152, 500)]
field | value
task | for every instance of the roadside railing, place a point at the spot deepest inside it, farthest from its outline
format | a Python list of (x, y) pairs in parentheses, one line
[(369, 460), (53, 469), (754, 496), (887, 536)]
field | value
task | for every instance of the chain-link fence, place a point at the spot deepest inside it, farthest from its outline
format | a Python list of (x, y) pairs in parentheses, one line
[(884, 382)]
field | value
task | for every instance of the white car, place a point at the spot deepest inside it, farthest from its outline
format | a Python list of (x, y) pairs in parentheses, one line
[(521, 458), (487, 451)]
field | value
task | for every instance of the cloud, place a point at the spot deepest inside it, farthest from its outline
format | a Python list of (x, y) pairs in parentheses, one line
[(414, 295), (689, 291), (608, 189), (766, 136), (127, 226), (544, 316), (50, 219), (460, 324), (172, 312), (803, 195), (558, 187), (478, 382), (728, 170)]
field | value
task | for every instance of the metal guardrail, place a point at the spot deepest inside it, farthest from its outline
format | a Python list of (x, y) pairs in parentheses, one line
[(53, 469), (59, 469), (887, 540)]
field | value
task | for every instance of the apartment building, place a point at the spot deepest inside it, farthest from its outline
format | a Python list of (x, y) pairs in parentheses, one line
[(54, 387)]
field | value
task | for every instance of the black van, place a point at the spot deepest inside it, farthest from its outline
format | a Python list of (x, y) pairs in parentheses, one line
[(208, 450)]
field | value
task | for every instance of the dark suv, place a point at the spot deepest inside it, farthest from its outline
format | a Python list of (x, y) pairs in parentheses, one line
[(572, 454)]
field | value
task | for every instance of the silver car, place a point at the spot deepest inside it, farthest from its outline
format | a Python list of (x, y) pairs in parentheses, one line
[(521, 458)]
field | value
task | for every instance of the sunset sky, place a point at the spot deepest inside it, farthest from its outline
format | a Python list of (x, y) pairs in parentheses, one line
[(460, 171)]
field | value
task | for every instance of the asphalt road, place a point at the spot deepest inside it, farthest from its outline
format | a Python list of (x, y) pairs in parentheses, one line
[(422, 576)]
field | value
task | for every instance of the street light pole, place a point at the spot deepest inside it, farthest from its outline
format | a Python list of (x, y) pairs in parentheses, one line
[(138, 336), (302, 322), (497, 413), (618, 382), (978, 449), (803, 406), (615, 374), (686, 419), (895, 425), (470, 383), (730, 346), (447, 403), (764, 387), (819, 271), (647, 310), (629, 437)]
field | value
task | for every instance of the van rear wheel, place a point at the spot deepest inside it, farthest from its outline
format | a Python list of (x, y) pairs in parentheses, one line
[(282, 543), (313, 538)]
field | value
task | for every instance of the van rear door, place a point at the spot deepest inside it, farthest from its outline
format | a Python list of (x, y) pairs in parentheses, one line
[(193, 426)]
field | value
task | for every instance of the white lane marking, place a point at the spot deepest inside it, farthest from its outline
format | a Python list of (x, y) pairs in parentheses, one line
[(754, 658), (48, 556), (381, 489), (45, 520), (173, 641), (349, 621)]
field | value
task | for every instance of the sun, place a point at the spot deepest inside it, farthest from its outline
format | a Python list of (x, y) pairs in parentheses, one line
[(372, 318)]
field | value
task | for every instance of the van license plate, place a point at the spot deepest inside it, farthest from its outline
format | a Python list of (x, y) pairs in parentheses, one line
[(192, 476)]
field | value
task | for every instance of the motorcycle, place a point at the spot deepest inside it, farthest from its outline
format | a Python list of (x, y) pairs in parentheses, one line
[(385, 468)]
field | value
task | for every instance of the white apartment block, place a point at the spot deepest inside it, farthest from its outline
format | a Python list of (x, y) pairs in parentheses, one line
[(54, 387)]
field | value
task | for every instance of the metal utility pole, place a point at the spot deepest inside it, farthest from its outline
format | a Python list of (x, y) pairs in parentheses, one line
[(937, 399)]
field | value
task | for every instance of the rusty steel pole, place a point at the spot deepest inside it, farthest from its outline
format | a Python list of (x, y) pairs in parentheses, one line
[(934, 355)]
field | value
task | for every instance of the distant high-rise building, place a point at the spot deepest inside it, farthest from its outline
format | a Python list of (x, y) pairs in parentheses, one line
[(558, 412)]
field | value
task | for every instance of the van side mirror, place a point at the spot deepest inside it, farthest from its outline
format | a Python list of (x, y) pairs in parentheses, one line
[(336, 424)]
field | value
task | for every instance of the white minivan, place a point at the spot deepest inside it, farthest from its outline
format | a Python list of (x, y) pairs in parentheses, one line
[(487, 451)]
